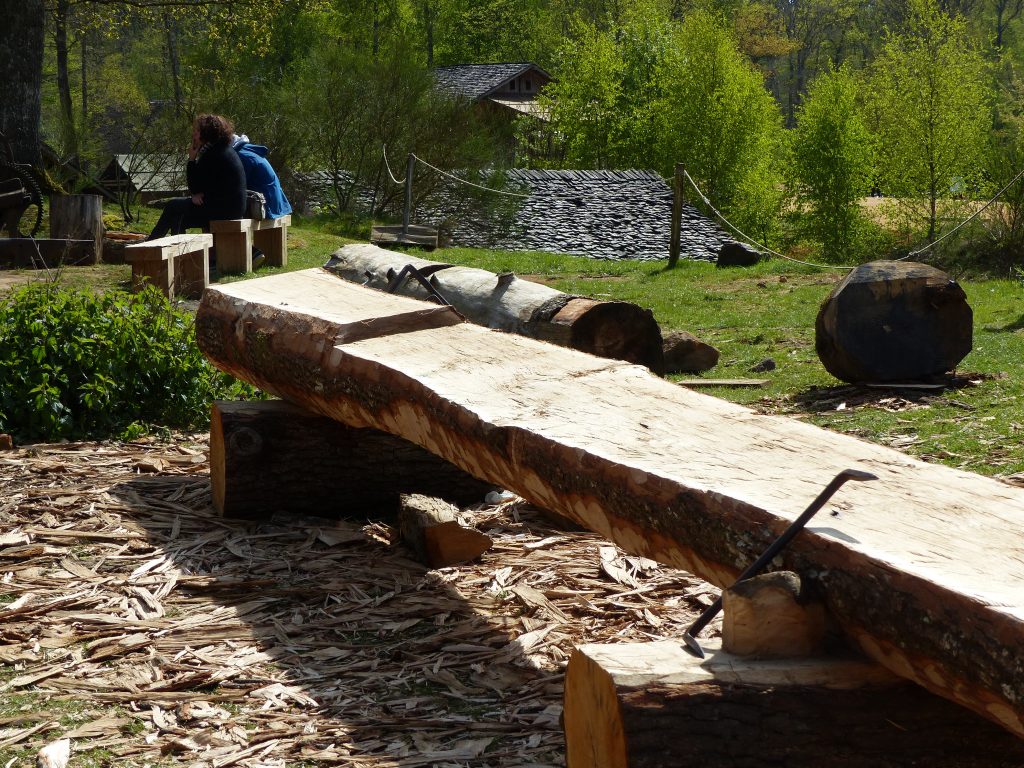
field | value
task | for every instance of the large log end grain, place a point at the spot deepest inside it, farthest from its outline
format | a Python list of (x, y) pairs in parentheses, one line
[(893, 321), (271, 456), (651, 705), (614, 329)]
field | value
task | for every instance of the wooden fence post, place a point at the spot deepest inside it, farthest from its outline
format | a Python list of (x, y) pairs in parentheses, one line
[(677, 215)]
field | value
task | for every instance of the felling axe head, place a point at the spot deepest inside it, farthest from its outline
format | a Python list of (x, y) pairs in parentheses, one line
[(690, 635)]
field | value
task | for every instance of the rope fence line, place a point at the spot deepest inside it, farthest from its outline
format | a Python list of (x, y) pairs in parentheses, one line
[(751, 240), (388, 166), (974, 215), (470, 183)]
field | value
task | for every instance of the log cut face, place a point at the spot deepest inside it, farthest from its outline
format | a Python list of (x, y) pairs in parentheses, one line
[(614, 329), (924, 569)]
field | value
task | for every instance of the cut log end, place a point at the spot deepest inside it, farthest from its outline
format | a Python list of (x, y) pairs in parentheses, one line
[(430, 527)]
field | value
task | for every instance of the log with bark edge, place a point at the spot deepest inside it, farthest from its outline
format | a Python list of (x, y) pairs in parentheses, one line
[(924, 570), (430, 527), (270, 456), (641, 705), (615, 329)]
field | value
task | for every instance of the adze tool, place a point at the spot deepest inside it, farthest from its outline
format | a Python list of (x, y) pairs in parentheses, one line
[(690, 636)]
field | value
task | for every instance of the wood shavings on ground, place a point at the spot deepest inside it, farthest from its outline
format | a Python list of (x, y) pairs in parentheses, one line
[(146, 630)]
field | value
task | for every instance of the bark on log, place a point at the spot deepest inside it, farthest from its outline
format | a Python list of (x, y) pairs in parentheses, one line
[(430, 527), (893, 321), (653, 705), (600, 442), (613, 329), (78, 217), (271, 456)]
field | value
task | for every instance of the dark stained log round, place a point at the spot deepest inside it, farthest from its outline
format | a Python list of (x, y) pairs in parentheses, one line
[(893, 321), (614, 329)]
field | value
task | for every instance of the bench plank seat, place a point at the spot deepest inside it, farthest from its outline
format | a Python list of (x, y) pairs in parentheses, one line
[(234, 239), (174, 264)]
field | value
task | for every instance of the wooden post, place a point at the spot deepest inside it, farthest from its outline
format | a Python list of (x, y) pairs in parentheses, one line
[(677, 215), (78, 217), (410, 164)]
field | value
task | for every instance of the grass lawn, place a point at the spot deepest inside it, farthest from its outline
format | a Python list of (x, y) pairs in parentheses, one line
[(751, 314)]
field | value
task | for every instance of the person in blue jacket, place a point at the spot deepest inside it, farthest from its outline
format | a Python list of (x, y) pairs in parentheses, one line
[(260, 176)]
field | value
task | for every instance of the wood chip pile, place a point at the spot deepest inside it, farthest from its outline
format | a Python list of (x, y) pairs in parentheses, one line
[(145, 630)]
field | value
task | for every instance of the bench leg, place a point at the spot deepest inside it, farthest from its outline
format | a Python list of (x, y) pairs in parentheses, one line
[(274, 244), (193, 273), (234, 251), (156, 273)]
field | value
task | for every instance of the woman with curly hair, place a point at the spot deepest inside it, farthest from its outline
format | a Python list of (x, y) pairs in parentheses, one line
[(216, 181)]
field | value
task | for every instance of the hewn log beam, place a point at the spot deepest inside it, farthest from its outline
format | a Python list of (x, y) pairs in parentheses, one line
[(647, 705), (924, 570)]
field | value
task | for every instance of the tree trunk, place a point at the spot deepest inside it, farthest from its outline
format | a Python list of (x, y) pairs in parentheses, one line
[(21, 77), (430, 527), (173, 60), (271, 456), (613, 329), (78, 217), (666, 473), (67, 109), (653, 704)]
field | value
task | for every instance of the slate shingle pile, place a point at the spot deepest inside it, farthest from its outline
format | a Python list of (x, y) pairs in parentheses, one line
[(598, 214)]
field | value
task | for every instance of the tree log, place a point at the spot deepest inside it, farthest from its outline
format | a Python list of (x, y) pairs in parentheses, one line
[(78, 217), (652, 705), (614, 329), (923, 573), (893, 321), (430, 527), (271, 456)]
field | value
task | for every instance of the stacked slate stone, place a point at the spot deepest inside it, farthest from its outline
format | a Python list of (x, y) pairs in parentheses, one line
[(598, 214)]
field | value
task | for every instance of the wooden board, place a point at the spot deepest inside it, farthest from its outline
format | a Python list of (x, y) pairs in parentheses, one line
[(924, 569)]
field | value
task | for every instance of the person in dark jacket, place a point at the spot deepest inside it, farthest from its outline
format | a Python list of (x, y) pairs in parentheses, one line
[(216, 181), (260, 176)]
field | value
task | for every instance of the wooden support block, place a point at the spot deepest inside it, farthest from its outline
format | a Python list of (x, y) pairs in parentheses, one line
[(430, 527), (174, 264), (643, 705), (270, 456), (232, 242), (271, 237), (769, 616)]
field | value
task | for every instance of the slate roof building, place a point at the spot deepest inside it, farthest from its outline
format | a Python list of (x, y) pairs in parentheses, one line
[(511, 87), (594, 213), (150, 176)]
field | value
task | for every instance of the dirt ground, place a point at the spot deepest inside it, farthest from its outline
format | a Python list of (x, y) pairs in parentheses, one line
[(146, 630)]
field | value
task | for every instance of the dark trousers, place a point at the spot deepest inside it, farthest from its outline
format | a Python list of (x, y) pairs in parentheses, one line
[(180, 214)]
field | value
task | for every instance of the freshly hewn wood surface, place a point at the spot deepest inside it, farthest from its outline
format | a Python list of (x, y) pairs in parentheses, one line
[(641, 705), (431, 528), (770, 617), (924, 568), (271, 456), (614, 329)]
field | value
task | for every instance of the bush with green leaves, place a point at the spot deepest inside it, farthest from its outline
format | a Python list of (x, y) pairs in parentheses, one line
[(75, 364)]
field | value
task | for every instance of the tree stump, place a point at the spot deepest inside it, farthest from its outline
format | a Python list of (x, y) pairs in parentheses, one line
[(78, 217), (893, 321)]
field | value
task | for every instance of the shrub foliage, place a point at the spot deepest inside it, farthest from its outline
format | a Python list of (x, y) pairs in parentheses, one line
[(78, 365)]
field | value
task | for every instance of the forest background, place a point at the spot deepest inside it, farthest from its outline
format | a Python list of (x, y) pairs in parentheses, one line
[(786, 114)]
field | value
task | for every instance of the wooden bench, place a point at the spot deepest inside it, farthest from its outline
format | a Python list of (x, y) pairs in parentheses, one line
[(174, 264), (234, 239)]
